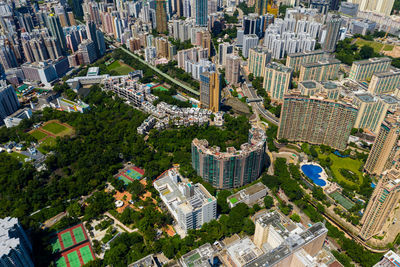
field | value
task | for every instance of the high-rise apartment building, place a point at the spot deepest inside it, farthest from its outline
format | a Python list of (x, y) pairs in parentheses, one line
[(57, 31), (224, 50), (364, 69), (382, 204), (277, 79), (295, 60), (258, 59), (88, 51), (316, 121), (210, 90), (190, 204), (382, 7), (233, 168), (323, 70), (15, 247), (330, 90), (261, 7), (201, 15), (232, 69), (332, 33), (372, 110), (8, 100), (385, 147), (161, 16), (384, 82), (249, 41)]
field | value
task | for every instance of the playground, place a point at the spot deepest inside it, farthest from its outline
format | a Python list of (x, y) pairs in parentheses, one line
[(129, 174), (74, 247)]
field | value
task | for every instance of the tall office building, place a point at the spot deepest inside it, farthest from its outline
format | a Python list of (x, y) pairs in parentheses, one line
[(364, 69), (383, 202), (316, 121), (323, 70), (224, 50), (232, 69), (15, 247), (258, 59), (384, 82), (101, 42), (332, 33), (210, 90), (295, 60), (382, 7), (277, 80), (57, 31), (8, 100), (92, 35), (161, 16), (261, 7), (233, 168), (385, 147), (249, 41), (201, 14), (372, 110)]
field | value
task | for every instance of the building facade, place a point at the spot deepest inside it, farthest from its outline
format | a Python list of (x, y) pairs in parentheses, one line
[(364, 69), (233, 168), (332, 33), (210, 90), (384, 82), (295, 60), (385, 147), (232, 69), (383, 202), (322, 70), (257, 61), (316, 121), (277, 80), (8, 100)]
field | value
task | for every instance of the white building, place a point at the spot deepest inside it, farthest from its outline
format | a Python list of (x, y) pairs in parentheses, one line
[(15, 118), (249, 41), (191, 205)]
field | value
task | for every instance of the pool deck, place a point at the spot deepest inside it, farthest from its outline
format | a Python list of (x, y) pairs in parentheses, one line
[(322, 175)]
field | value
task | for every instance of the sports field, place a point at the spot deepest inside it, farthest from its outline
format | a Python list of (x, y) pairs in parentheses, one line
[(346, 203), (38, 135), (76, 257), (54, 128), (69, 237), (160, 88), (121, 68), (127, 175)]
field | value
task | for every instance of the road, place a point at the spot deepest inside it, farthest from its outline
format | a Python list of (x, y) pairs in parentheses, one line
[(187, 88), (250, 93)]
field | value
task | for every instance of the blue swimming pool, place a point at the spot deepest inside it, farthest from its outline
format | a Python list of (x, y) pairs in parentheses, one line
[(312, 172)]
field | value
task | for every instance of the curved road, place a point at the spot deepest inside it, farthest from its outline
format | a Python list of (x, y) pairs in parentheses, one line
[(189, 89)]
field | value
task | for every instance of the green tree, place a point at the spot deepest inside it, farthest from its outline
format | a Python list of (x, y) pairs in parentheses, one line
[(268, 202)]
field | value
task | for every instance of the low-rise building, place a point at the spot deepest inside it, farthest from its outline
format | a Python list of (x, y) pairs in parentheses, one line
[(71, 106), (15, 118), (147, 261), (199, 257), (190, 204), (249, 195)]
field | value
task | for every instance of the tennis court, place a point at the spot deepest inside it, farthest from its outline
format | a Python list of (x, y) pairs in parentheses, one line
[(66, 239), (129, 174), (124, 179), (161, 88), (73, 259), (134, 174), (79, 235), (86, 254), (345, 202)]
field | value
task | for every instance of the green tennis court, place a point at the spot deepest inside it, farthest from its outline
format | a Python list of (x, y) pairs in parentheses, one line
[(134, 174), (124, 179), (346, 203), (161, 88), (73, 259), (56, 245), (61, 262), (86, 254), (79, 235), (67, 239)]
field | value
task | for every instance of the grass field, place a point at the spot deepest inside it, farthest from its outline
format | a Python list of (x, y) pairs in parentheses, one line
[(344, 163), (54, 128), (48, 142), (375, 45), (119, 67), (18, 156), (38, 135)]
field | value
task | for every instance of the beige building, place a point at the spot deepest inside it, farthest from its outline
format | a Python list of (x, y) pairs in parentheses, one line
[(372, 110), (232, 69), (364, 69), (385, 147), (383, 7), (316, 120), (323, 70), (384, 82), (383, 202), (295, 60), (277, 80), (258, 60), (330, 89)]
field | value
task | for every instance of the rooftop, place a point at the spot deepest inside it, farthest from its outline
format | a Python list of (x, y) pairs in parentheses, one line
[(365, 97), (372, 60), (199, 257), (279, 67), (251, 190), (309, 84)]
